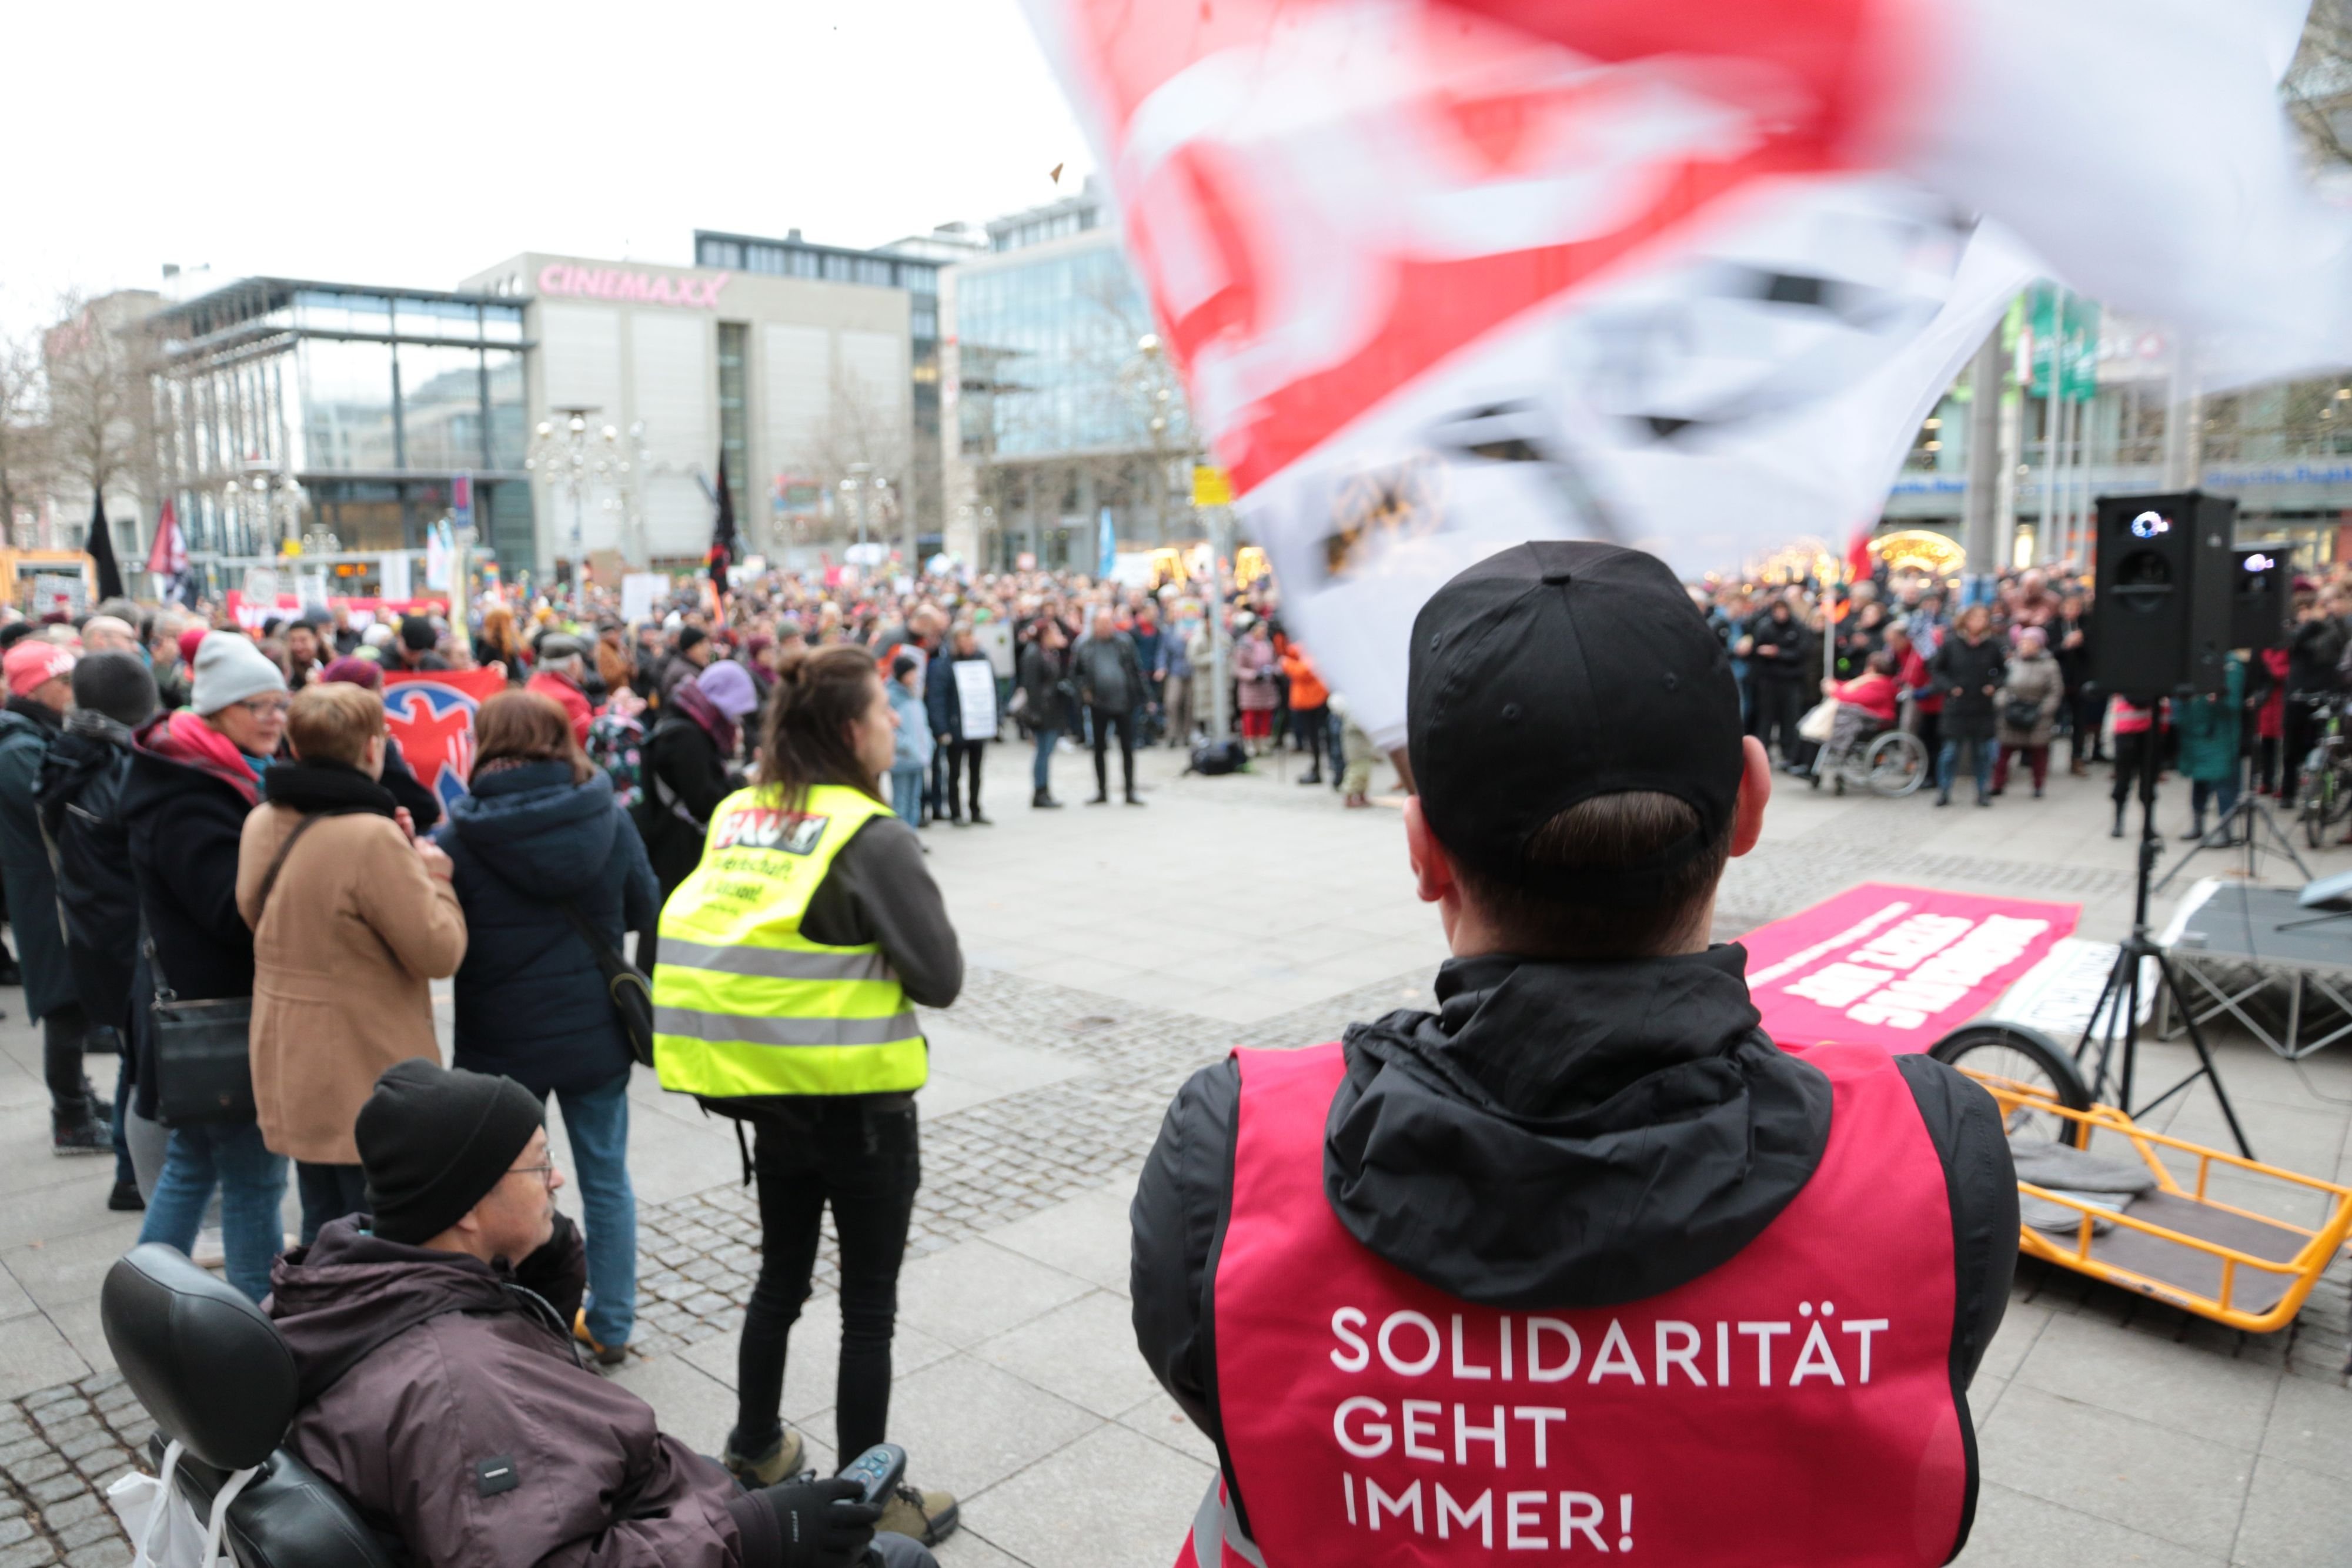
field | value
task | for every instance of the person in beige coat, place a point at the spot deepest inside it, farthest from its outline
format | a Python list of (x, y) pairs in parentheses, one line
[(346, 941)]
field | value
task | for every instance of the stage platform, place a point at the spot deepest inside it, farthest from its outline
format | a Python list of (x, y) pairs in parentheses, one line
[(2255, 954)]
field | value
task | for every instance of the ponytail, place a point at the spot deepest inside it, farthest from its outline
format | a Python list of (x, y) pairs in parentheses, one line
[(820, 693)]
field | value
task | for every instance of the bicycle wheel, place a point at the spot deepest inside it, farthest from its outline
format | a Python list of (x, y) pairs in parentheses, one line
[(2310, 784), (1895, 764), (2026, 1056)]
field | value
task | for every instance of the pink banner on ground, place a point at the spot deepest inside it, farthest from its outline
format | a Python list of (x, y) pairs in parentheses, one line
[(1892, 965)]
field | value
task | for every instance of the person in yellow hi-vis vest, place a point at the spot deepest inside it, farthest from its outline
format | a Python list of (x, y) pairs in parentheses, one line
[(790, 961)]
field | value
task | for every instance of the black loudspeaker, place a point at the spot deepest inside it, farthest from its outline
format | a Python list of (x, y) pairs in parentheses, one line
[(2163, 602), (2258, 594)]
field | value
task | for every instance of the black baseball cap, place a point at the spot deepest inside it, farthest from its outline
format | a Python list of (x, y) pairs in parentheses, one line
[(1556, 670)]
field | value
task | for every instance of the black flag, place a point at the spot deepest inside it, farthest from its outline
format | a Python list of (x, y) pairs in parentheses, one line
[(100, 546), (723, 542)]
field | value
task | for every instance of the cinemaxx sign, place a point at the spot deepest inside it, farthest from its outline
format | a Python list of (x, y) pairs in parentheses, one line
[(620, 283)]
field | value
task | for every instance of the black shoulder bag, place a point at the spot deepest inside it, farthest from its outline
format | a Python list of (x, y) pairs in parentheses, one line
[(204, 1065), (632, 993)]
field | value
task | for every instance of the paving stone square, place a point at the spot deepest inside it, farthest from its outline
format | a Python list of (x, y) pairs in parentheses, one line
[(1113, 952)]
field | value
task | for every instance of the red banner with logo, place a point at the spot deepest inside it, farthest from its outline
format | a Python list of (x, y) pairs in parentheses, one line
[(431, 714), (1892, 965)]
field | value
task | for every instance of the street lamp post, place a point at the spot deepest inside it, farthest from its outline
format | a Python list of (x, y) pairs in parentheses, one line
[(268, 505), (575, 461), (852, 494)]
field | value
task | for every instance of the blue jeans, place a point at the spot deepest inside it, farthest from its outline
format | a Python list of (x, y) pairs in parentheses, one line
[(597, 1122), (1981, 753), (1041, 771), (252, 1182), (907, 794)]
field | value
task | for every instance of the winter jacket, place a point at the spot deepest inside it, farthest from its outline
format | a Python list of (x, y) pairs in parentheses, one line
[(1176, 654), (531, 1002), (28, 730), (424, 806), (1969, 674), (80, 807), (2313, 651), (1107, 673), (1568, 1135), (943, 700), (185, 815), (1873, 693), (2269, 720), (1308, 691), (1253, 668), (425, 1367), (345, 951), (1793, 657), (2039, 680), (912, 747), (567, 695), (182, 809), (685, 779), (2210, 728), (1914, 679), (1046, 677)]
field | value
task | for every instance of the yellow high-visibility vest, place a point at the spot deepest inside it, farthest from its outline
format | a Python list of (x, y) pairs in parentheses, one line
[(744, 1004)]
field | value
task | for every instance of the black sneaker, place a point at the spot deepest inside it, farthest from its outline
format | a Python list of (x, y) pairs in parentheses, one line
[(91, 1137), (125, 1199)]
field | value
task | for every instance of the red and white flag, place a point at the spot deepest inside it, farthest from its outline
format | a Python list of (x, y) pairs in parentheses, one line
[(167, 558), (1445, 275)]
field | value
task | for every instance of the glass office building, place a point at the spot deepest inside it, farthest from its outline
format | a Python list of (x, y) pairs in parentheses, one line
[(912, 266), (1065, 403), (375, 400)]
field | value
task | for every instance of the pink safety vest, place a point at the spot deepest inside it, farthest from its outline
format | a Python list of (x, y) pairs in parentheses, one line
[(1792, 1407)]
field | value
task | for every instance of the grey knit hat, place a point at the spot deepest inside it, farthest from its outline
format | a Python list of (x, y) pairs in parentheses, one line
[(229, 669)]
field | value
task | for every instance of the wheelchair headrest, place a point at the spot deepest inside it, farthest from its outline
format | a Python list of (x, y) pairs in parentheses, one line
[(205, 1362)]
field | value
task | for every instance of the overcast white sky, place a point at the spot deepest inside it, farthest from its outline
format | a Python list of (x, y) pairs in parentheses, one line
[(416, 143)]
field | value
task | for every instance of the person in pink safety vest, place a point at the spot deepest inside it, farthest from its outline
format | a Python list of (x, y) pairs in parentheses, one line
[(1581, 1265)]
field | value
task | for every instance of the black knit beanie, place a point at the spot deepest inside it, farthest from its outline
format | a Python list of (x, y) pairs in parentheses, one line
[(691, 638), (435, 1140), (116, 685)]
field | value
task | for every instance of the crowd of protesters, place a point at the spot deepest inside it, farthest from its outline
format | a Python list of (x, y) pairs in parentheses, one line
[(1992, 685)]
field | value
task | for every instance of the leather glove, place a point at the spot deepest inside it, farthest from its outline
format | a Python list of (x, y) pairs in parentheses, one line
[(823, 1523)]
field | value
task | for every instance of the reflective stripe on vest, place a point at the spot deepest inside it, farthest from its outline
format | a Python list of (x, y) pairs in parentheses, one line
[(744, 1004), (1794, 1404)]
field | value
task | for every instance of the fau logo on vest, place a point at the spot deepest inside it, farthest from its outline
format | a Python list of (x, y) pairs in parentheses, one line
[(765, 828)]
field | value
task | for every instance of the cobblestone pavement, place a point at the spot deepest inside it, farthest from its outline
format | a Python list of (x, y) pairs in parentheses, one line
[(58, 1449), (1115, 954)]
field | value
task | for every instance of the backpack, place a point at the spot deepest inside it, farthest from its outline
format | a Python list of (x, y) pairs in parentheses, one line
[(1216, 757), (616, 748)]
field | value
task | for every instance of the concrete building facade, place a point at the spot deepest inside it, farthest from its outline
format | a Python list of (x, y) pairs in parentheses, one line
[(794, 378)]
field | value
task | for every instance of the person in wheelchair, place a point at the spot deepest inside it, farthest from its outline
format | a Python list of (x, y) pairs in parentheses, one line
[(441, 1392), (1866, 707)]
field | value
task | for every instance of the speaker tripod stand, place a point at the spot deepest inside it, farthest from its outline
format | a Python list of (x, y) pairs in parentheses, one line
[(2114, 1021), (2245, 826)]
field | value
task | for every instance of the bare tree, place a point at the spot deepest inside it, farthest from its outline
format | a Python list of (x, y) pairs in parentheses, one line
[(100, 363), (2319, 86), (24, 467), (866, 431)]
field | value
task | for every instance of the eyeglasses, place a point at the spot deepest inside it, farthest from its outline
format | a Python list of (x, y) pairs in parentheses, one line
[(545, 1172), (268, 707)]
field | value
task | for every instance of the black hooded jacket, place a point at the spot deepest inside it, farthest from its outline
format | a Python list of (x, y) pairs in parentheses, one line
[(1557, 1135), (79, 802)]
